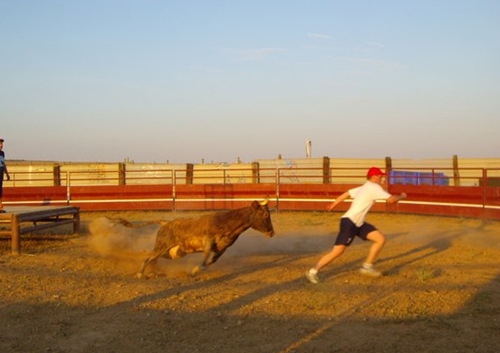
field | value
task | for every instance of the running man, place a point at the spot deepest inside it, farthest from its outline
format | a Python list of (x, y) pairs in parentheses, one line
[(353, 224)]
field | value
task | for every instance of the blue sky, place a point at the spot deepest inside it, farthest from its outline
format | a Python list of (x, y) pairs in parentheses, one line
[(182, 81)]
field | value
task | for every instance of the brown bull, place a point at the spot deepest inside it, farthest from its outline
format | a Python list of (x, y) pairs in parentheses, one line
[(211, 234)]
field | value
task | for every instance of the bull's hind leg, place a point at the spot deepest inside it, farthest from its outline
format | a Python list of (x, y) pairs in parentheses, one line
[(150, 259), (146, 262), (163, 244)]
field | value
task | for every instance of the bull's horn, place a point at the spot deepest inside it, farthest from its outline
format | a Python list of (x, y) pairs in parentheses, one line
[(265, 202)]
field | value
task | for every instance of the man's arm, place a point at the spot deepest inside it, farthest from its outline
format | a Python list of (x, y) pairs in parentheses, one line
[(338, 200), (396, 198)]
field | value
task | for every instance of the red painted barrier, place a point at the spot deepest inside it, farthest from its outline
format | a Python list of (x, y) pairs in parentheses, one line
[(35, 196), (469, 201), (220, 196)]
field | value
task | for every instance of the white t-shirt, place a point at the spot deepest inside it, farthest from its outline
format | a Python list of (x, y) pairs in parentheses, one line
[(364, 197)]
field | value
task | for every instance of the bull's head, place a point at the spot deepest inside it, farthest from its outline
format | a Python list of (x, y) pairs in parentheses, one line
[(261, 219)]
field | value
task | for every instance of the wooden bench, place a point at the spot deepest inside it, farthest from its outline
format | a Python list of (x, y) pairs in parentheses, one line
[(27, 219)]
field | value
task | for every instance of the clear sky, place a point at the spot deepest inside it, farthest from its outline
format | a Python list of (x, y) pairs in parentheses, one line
[(185, 80)]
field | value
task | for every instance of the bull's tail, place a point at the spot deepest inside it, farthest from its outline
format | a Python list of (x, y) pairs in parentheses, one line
[(128, 224)]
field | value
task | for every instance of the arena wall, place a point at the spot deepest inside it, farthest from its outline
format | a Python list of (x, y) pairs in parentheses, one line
[(461, 187)]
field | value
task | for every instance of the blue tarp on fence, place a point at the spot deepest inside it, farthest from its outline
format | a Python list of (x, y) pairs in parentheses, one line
[(418, 178)]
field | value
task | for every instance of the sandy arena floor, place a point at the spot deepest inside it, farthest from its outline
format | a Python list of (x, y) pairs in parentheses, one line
[(440, 291)]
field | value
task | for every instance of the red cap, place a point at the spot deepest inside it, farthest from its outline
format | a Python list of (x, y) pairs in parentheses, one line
[(374, 171)]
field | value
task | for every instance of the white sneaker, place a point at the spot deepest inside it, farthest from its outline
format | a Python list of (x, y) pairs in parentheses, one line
[(312, 277), (370, 271)]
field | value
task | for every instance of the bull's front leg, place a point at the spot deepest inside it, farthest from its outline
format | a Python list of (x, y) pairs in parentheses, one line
[(207, 258), (215, 257), (211, 259)]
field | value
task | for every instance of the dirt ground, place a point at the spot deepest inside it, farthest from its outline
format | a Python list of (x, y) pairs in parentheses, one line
[(78, 293)]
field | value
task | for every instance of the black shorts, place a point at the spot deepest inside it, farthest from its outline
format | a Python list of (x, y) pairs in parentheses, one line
[(348, 230)]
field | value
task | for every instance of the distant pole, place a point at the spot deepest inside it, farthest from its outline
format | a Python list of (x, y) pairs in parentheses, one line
[(308, 148)]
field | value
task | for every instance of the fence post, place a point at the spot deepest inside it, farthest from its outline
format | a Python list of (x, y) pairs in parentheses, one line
[(76, 222), (456, 173), (388, 165), (122, 174), (56, 171), (16, 234), (189, 173), (388, 168), (483, 187), (255, 173), (174, 189), (68, 188), (326, 170), (277, 180)]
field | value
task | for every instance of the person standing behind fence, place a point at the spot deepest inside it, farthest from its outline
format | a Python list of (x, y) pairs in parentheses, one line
[(3, 170), (353, 224)]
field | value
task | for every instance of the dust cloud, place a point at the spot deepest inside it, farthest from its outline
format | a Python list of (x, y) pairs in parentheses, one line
[(287, 243), (127, 246), (111, 238), (295, 236)]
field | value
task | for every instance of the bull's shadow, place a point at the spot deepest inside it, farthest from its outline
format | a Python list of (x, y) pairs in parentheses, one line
[(215, 277)]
